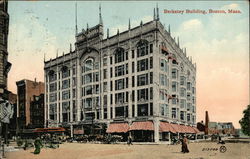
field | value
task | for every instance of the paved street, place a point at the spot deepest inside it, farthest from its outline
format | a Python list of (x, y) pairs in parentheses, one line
[(118, 151)]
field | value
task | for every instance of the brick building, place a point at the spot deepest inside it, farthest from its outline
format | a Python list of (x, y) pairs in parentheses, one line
[(139, 80), (37, 111), (26, 90)]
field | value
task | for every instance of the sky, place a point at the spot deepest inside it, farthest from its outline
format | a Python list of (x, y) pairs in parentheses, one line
[(218, 43)]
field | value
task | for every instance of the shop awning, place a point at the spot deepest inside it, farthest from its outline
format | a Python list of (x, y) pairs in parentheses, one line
[(52, 129), (166, 127), (142, 125), (118, 128), (78, 131)]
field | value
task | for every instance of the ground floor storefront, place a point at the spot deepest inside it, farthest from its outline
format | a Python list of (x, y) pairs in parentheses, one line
[(152, 131)]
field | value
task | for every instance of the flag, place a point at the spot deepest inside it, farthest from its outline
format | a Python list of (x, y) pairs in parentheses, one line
[(6, 111)]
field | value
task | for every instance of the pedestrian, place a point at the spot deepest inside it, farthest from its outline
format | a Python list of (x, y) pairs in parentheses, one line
[(129, 140), (184, 147), (38, 145)]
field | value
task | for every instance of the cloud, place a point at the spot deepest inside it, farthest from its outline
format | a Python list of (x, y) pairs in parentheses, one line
[(231, 6), (192, 24)]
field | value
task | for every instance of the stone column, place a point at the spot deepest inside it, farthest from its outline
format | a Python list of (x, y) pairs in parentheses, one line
[(156, 130), (78, 88)]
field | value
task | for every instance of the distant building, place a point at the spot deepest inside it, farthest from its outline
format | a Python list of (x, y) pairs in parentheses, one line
[(4, 64), (221, 128), (37, 111), (26, 90)]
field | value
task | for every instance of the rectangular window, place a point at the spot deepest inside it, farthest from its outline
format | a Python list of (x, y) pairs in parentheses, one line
[(105, 74), (52, 97), (119, 70), (133, 95), (126, 54), (174, 73), (111, 72), (151, 48), (189, 86), (88, 78), (151, 77), (111, 99), (111, 85), (142, 65), (65, 95), (174, 86), (142, 110), (151, 92), (133, 110), (126, 68), (133, 81), (65, 84), (105, 100), (133, 54), (105, 86), (119, 84), (133, 67), (188, 117), (119, 98), (162, 65), (88, 90), (151, 62), (111, 60), (142, 80), (126, 96), (126, 82), (182, 81), (52, 87), (142, 50), (142, 94), (182, 115), (174, 114), (162, 81), (182, 103), (105, 62), (151, 109)]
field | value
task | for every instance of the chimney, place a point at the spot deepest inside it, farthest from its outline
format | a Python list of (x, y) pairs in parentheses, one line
[(206, 123)]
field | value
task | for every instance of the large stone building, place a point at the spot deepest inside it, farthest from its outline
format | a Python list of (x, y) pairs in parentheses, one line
[(26, 90), (4, 64), (139, 78)]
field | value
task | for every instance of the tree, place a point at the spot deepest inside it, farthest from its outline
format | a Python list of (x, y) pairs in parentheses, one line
[(245, 121)]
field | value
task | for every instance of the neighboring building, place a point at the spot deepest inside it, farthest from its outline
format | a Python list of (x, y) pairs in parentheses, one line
[(140, 77), (221, 128), (4, 64), (13, 121), (26, 89), (37, 111)]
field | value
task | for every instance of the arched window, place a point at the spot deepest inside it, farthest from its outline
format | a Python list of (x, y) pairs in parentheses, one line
[(142, 48), (119, 55), (88, 65)]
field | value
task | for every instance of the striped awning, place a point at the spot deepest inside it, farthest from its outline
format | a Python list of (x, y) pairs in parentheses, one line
[(142, 125), (118, 128), (166, 127), (52, 129)]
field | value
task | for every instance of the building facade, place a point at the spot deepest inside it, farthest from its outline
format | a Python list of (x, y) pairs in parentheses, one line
[(26, 90), (4, 64), (140, 74), (37, 111)]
